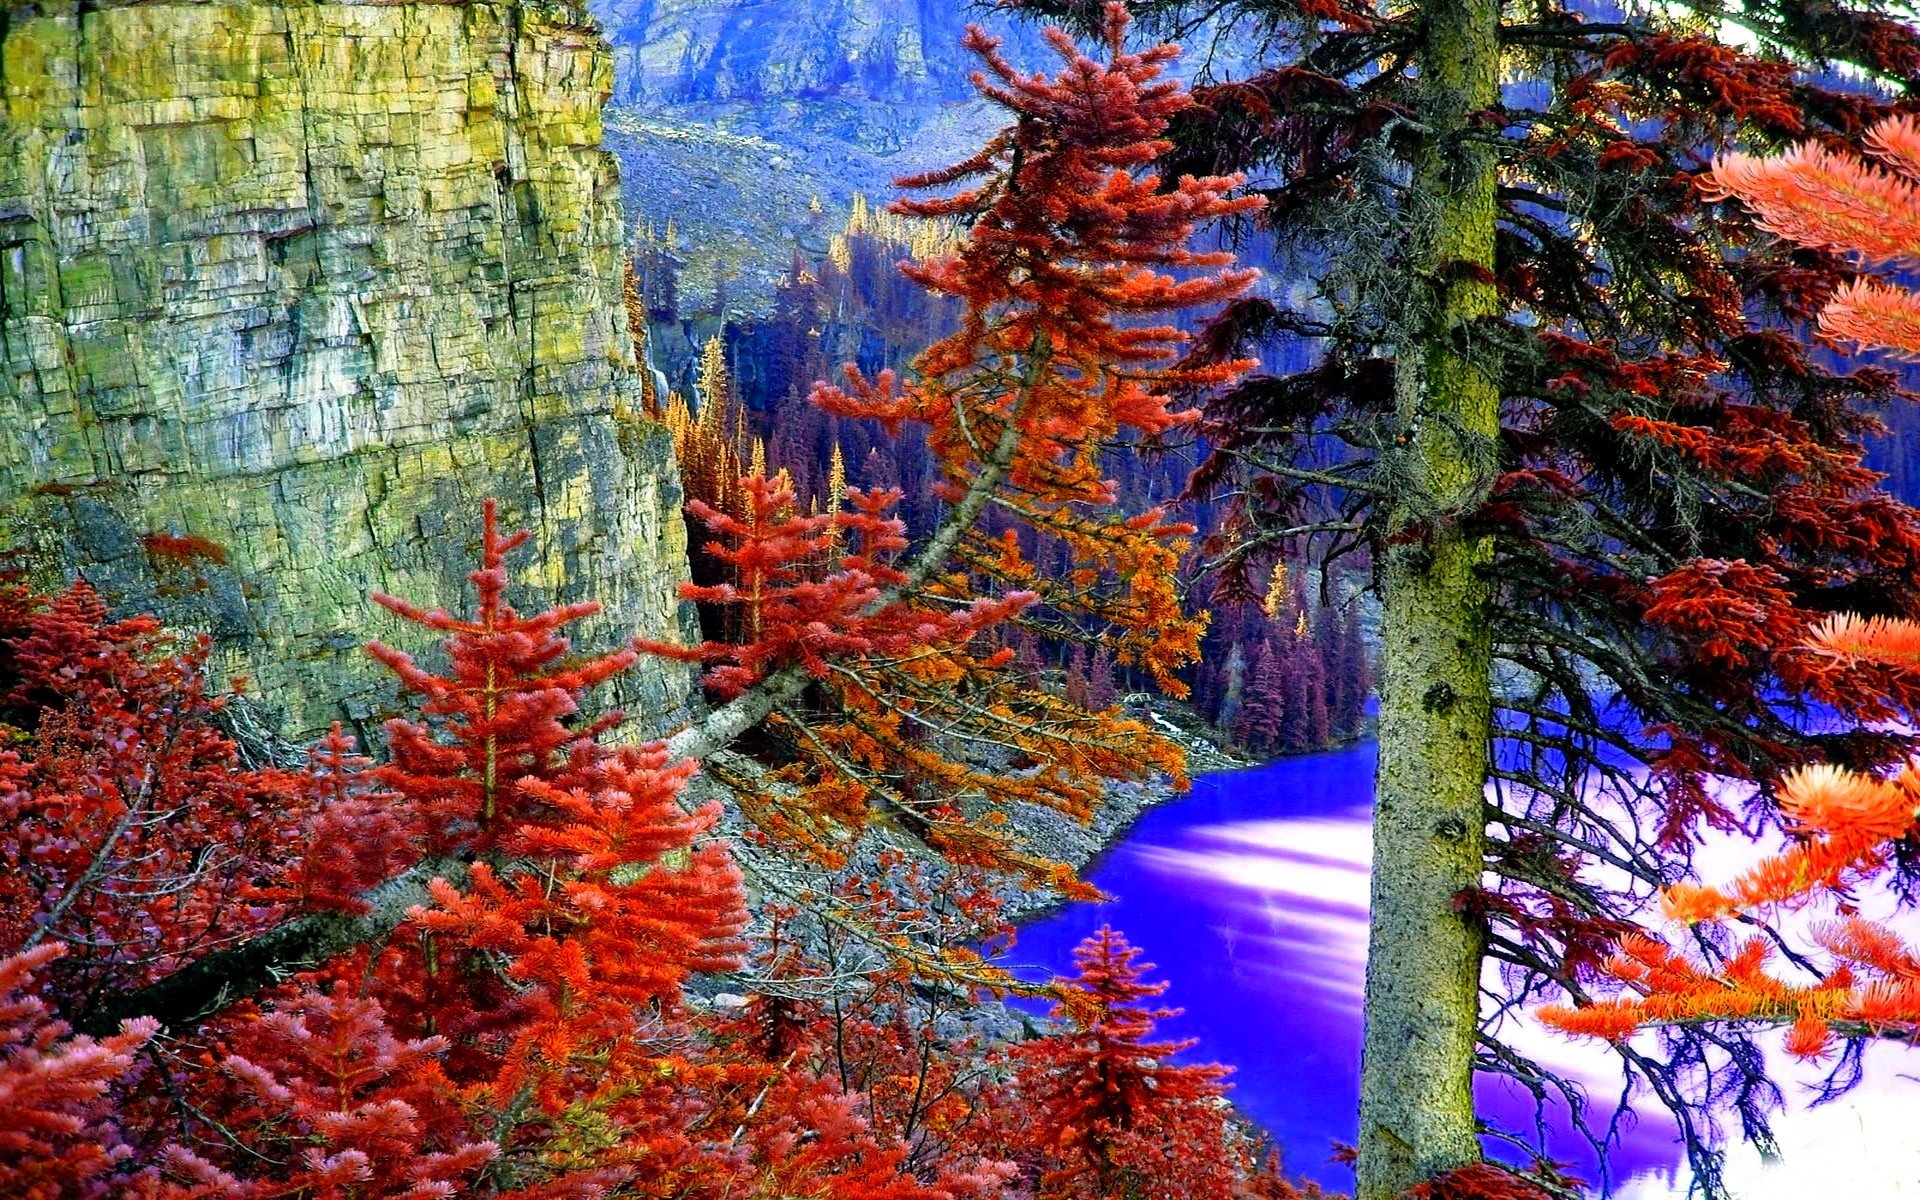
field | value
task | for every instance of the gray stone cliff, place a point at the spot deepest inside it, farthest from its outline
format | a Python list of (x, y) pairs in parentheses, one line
[(307, 281)]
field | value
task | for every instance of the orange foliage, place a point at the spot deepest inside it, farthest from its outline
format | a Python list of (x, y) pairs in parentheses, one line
[(1074, 256), (1832, 200), (1843, 821)]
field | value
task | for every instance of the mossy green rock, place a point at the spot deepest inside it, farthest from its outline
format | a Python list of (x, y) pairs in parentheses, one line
[(308, 281)]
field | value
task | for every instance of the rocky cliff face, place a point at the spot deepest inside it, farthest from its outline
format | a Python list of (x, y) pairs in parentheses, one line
[(306, 281)]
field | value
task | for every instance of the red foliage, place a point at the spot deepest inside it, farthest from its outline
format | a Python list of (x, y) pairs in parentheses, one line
[(57, 1134), (1726, 610), (1481, 1181), (797, 614), (322, 1088), (499, 715), (1702, 73), (133, 833), (170, 548), (1100, 1103), (358, 836), (1073, 239), (1843, 822)]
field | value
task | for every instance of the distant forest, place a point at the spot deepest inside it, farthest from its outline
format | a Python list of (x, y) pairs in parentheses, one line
[(1286, 665)]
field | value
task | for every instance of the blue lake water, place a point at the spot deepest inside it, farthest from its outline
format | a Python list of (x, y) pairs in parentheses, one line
[(1250, 895)]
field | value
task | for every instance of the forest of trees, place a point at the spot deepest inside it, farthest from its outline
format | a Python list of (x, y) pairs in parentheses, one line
[(747, 402), (1568, 438)]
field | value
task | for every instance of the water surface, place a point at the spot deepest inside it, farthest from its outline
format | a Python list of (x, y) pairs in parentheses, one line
[(1250, 895)]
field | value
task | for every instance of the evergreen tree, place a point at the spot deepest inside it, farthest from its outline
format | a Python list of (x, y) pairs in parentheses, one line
[(1263, 712), (1112, 1118), (1102, 690), (1847, 824), (1549, 385)]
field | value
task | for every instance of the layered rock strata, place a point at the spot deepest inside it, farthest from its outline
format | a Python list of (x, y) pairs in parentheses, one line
[(285, 290)]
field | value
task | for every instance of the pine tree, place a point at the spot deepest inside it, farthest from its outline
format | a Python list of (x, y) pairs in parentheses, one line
[(1102, 689), (1111, 1117), (523, 1028), (1076, 678), (1264, 710), (1551, 388), (714, 384), (499, 717), (884, 659)]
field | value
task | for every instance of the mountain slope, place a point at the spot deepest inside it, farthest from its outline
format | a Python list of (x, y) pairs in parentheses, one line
[(731, 116)]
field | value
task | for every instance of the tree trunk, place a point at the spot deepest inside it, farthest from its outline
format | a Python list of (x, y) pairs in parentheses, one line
[(1423, 960)]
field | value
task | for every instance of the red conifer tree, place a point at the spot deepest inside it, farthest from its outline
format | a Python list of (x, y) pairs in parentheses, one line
[(1071, 246), (499, 715), (1264, 703), (1109, 1117), (556, 971)]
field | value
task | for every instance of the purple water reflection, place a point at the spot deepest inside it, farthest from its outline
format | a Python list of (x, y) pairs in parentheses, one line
[(1251, 896)]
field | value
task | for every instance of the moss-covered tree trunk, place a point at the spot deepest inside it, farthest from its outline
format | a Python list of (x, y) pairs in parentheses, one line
[(1423, 961)]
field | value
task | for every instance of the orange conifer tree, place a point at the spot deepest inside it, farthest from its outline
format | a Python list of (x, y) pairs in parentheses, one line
[(880, 666), (1104, 1112)]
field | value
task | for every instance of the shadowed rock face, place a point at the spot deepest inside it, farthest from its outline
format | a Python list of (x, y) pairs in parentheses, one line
[(308, 282)]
